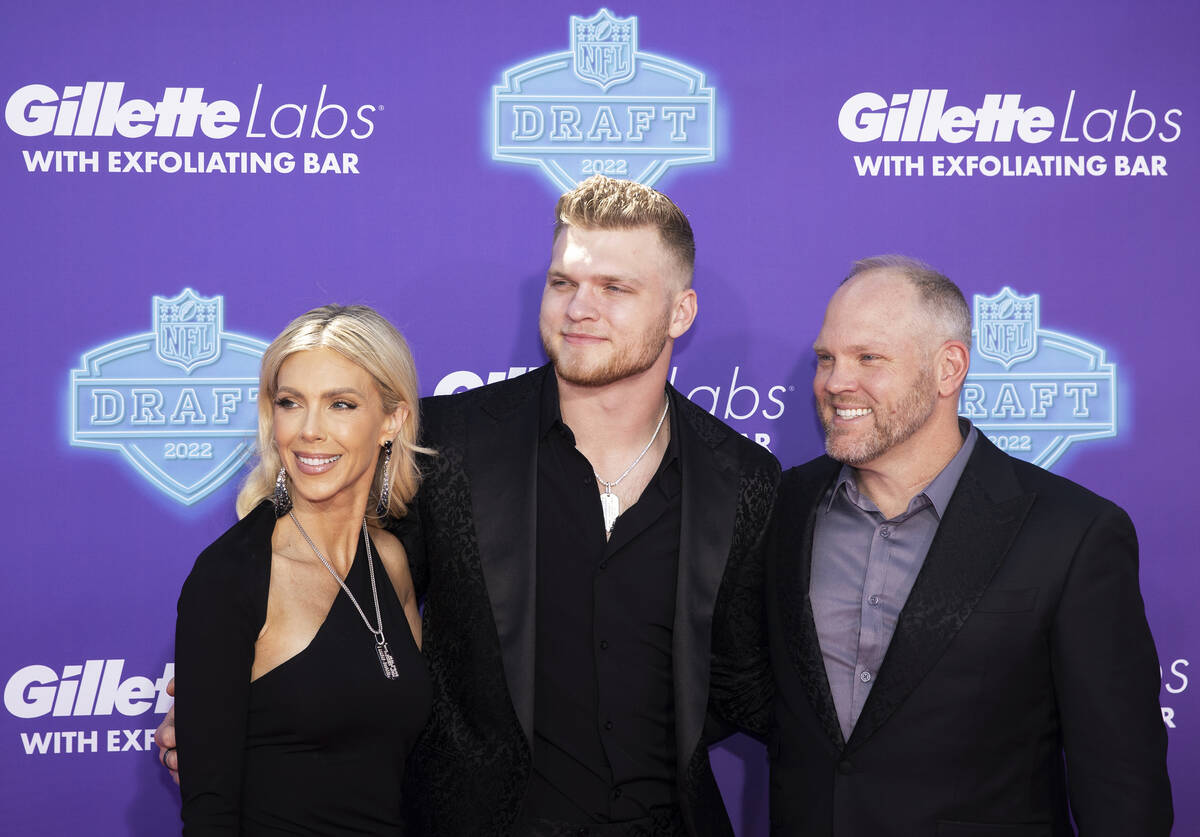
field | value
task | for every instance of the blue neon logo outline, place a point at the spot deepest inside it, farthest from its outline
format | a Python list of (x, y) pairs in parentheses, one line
[(1007, 361), (91, 370), (187, 294), (515, 77), (605, 14), (1098, 369)]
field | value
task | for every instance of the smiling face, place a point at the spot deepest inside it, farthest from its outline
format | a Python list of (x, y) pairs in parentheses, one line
[(876, 385), (329, 427), (614, 298)]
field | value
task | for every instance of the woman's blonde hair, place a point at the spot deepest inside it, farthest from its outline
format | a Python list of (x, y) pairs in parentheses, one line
[(362, 336)]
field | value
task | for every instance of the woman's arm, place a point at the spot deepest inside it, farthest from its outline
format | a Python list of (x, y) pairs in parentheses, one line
[(214, 648)]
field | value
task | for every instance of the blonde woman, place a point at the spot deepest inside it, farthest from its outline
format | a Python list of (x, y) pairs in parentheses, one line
[(301, 686)]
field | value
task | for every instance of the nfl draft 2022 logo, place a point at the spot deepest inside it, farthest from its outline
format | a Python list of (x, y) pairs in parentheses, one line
[(603, 107), (1035, 392), (179, 402)]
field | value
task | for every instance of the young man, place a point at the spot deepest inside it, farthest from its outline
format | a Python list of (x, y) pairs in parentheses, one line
[(590, 535), (947, 621)]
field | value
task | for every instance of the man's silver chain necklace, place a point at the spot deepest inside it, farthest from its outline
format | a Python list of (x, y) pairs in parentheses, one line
[(610, 504)]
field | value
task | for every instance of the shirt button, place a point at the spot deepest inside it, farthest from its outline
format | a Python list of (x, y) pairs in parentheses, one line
[(616, 794), (885, 532), (604, 645), (865, 677), (608, 724), (873, 600)]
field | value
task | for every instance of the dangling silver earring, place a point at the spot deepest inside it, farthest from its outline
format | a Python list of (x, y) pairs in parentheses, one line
[(386, 490), (281, 499)]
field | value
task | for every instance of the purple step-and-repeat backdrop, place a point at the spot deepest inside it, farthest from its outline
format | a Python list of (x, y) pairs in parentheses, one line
[(179, 182)]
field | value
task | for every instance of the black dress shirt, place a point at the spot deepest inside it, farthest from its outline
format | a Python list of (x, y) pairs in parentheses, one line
[(604, 720)]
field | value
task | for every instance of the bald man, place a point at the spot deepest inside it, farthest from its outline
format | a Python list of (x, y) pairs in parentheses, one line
[(958, 639)]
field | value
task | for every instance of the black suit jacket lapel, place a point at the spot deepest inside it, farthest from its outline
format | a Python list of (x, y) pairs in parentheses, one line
[(502, 469), (709, 506), (796, 519), (982, 519)]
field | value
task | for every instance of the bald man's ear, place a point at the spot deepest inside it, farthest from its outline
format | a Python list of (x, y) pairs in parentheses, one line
[(953, 361)]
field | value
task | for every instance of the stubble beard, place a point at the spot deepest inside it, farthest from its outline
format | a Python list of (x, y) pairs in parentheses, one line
[(627, 363), (912, 412)]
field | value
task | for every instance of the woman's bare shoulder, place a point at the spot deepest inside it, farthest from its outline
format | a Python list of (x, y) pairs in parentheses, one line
[(394, 559)]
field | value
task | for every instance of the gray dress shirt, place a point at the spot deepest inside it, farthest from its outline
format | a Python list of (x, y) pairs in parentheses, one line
[(863, 568)]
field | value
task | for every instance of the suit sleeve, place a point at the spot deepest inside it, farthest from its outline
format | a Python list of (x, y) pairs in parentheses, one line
[(215, 633), (409, 532), (742, 687), (1106, 679), (411, 529)]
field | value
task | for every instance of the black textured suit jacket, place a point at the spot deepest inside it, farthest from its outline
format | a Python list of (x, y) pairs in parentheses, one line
[(1024, 637), (477, 509)]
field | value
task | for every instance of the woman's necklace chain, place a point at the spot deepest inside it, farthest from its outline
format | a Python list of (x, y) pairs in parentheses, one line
[(386, 661)]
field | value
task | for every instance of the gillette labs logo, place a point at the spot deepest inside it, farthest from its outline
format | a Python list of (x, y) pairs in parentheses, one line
[(100, 109), (97, 687), (923, 115)]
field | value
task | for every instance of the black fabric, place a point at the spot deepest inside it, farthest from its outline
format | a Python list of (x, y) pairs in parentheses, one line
[(1019, 692), (660, 822), (469, 771), (317, 744), (604, 720)]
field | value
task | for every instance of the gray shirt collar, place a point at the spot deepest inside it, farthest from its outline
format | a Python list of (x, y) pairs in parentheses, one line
[(937, 493)]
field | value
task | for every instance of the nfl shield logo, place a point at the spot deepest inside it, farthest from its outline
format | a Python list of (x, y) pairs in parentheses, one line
[(185, 434), (1006, 326), (187, 329), (603, 47)]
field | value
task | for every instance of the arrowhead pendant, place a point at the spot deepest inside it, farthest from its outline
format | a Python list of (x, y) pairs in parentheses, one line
[(611, 507)]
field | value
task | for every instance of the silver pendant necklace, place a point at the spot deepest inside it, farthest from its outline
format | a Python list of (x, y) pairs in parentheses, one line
[(609, 503), (386, 661)]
